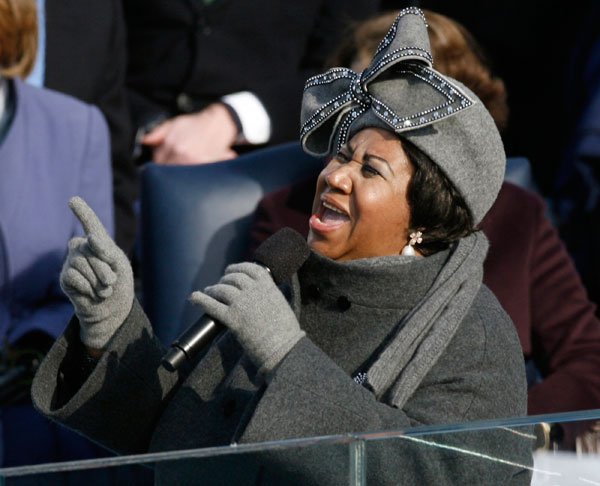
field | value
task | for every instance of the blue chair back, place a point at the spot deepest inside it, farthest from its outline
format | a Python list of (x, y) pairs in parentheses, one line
[(196, 220)]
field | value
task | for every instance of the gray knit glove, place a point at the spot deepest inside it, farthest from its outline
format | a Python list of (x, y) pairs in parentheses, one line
[(248, 302), (97, 278)]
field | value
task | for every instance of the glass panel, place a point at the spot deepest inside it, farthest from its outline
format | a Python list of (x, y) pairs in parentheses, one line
[(498, 455), (558, 449), (306, 462), (133, 475)]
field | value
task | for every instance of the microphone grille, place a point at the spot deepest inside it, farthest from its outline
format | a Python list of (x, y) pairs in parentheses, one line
[(283, 253)]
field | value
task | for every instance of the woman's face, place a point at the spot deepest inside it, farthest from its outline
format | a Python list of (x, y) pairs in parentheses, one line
[(360, 208)]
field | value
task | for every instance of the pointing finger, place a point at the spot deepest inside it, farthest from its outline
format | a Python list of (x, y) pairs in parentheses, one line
[(90, 222), (106, 250)]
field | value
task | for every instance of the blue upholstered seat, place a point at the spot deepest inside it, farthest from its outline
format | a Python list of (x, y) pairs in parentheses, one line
[(195, 221)]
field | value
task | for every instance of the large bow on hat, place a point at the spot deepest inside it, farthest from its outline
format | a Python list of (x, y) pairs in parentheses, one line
[(399, 90)]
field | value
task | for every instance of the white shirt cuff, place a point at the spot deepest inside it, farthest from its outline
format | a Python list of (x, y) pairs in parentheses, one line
[(255, 121)]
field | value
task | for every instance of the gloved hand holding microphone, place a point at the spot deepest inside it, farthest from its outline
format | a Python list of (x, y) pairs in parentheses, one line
[(247, 301), (97, 278)]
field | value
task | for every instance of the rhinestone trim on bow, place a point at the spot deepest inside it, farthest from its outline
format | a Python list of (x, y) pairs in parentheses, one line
[(350, 95)]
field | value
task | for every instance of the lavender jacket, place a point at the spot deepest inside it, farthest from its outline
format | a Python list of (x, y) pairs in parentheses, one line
[(55, 148)]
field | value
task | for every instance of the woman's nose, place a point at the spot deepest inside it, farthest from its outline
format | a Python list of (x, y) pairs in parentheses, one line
[(340, 179)]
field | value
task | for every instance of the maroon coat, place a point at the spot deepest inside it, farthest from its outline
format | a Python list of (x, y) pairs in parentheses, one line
[(533, 277)]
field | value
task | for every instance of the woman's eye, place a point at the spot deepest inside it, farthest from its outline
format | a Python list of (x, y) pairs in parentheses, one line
[(369, 169), (343, 157)]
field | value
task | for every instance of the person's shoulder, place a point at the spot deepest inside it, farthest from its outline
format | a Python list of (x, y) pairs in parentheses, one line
[(512, 219), (515, 200), (47, 97), (486, 326), (486, 308), (65, 128), (512, 192), (486, 301), (60, 117), (58, 107), (496, 350), (485, 356), (493, 324)]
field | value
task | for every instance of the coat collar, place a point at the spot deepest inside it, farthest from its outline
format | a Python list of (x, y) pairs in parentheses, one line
[(395, 281)]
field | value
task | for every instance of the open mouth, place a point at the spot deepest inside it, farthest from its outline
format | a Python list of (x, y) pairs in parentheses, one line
[(328, 217)]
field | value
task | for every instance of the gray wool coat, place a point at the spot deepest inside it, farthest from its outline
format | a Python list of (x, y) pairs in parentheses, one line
[(130, 404)]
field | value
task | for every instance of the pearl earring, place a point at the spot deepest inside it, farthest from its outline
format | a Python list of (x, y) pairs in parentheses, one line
[(415, 239)]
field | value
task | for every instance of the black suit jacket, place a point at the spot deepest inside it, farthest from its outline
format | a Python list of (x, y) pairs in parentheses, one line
[(86, 58), (268, 47)]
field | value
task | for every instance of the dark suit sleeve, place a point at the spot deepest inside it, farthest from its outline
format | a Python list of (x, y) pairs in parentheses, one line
[(95, 186), (282, 97), (112, 101), (89, 63)]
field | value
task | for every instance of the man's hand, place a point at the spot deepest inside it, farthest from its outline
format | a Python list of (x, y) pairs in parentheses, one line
[(197, 138)]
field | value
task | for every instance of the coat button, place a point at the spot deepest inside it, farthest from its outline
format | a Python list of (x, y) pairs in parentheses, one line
[(343, 303), (313, 291)]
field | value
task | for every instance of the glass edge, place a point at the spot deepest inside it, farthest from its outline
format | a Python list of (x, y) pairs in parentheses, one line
[(142, 459)]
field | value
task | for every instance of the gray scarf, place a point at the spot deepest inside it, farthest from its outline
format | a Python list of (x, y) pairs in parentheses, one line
[(431, 324)]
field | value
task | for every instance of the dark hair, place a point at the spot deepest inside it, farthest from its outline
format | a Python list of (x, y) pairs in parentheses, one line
[(436, 207)]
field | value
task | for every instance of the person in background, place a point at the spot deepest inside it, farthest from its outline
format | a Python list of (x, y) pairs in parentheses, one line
[(82, 52), (515, 36), (208, 78), (527, 267), (577, 185), (51, 146), (388, 324)]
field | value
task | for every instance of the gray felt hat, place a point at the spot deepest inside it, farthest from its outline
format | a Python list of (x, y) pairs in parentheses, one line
[(401, 92)]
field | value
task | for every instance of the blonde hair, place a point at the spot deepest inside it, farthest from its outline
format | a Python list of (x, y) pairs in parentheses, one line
[(455, 53), (18, 37)]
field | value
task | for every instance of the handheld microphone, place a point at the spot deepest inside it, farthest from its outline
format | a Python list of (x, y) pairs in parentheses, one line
[(282, 254)]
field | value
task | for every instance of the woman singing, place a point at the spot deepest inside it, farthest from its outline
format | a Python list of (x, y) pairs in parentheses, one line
[(386, 325)]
